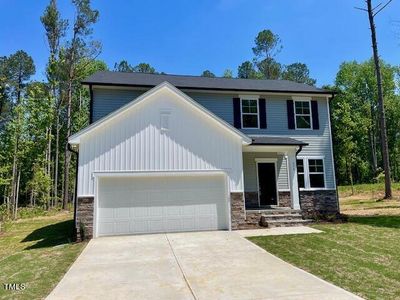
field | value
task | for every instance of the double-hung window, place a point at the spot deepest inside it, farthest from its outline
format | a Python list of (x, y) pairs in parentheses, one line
[(302, 112), (300, 173), (316, 173), (310, 173), (249, 108)]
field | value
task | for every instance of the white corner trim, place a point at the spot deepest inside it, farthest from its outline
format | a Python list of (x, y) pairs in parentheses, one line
[(331, 143)]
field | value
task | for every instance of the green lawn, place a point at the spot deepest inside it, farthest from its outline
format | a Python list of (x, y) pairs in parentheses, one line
[(36, 252), (362, 255), (368, 188), (368, 200)]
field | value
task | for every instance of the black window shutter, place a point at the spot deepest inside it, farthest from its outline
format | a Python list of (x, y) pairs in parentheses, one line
[(237, 122), (263, 113), (315, 116), (290, 114)]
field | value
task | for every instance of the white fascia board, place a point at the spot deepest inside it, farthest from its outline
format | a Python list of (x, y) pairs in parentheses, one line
[(75, 139), (271, 148)]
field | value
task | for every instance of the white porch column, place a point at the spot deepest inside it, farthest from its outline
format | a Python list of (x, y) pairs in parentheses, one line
[(293, 184)]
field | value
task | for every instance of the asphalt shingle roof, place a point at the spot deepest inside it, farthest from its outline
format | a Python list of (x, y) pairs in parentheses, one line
[(198, 82)]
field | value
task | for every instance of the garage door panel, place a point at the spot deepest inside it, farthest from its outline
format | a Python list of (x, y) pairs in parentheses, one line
[(106, 228), (155, 211), (155, 225), (122, 226), (189, 210), (161, 204), (105, 213)]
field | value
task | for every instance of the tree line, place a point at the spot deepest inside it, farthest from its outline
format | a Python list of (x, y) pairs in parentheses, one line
[(37, 117)]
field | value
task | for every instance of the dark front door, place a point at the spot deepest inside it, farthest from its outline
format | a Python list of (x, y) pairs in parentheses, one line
[(267, 184)]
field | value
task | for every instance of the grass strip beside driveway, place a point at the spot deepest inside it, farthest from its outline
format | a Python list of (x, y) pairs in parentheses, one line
[(36, 252), (361, 256)]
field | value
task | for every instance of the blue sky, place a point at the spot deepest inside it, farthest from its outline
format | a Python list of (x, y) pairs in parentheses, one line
[(189, 36)]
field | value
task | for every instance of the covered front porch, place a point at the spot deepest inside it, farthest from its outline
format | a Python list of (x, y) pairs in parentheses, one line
[(270, 174)]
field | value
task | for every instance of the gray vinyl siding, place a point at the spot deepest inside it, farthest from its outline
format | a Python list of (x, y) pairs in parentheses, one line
[(319, 140), (107, 100), (250, 170), (219, 104)]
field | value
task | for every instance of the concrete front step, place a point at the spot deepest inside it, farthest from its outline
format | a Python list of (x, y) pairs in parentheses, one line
[(276, 217), (281, 211), (284, 223)]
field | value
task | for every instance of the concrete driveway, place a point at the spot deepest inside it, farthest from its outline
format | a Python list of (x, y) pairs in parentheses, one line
[(200, 265)]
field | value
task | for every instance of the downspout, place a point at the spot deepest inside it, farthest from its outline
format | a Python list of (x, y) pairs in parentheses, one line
[(299, 150), (76, 187)]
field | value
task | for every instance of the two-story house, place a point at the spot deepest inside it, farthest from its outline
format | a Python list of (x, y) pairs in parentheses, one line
[(167, 153)]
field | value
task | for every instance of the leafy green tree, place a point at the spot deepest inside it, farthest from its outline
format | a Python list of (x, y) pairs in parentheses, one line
[(228, 73), (39, 115), (298, 72), (144, 68), (123, 66), (356, 83), (269, 68), (55, 27), (79, 47), (4, 89), (267, 46), (20, 68), (247, 71), (207, 73), (39, 186), (16, 70)]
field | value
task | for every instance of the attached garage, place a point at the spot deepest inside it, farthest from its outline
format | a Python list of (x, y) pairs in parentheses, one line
[(161, 203), (161, 163)]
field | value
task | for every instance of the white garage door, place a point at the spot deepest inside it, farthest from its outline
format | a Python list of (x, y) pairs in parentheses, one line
[(129, 205)]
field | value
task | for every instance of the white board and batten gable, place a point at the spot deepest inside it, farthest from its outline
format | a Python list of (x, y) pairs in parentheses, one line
[(162, 131)]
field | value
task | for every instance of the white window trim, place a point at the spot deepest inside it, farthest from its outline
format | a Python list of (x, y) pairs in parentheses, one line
[(304, 173), (307, 186), (250, 97), (295, 114)]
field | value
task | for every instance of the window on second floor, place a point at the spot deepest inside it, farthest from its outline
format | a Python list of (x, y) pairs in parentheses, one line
[(302, 112), (310, 173), (249, 108)]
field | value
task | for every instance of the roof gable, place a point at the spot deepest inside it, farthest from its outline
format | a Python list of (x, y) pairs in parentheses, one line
[(75, 139)]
